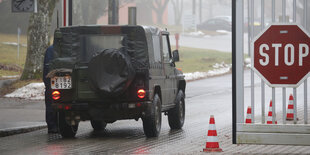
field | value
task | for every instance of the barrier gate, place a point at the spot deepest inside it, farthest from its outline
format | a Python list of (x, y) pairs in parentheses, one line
[(249, 89)]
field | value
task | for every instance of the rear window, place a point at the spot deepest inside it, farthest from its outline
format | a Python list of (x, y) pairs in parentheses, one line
[(94, 44)]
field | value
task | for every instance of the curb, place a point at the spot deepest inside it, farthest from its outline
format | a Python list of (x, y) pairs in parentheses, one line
[(19, 130)]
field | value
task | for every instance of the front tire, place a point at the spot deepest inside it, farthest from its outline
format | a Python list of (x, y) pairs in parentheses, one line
[(98, 125), (152, 120), (66, 130), (176, 116)]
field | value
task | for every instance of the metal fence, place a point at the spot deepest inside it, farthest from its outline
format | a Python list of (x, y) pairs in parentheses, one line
[(256, 91)]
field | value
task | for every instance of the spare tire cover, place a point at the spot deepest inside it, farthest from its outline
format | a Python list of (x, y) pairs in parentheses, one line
[(111, 72)]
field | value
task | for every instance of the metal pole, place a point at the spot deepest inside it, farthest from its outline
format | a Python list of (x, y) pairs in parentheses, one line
[(252, 72), (262, 14), (70, 13), (234, 75), (305, 103), (283, 11), (305, 14), (18, 42), (295, 105), (273, 8), (294, 11), (248, 28), (113, 12), (194, 14), (200, 11), (273, 105), (284, 105), (252, 19), (284, 89), (132, 16), (194, 7), (64, 13), (262, 81), (273, 89), (57, 20), (305, 82), (237, 68), (263, 100)]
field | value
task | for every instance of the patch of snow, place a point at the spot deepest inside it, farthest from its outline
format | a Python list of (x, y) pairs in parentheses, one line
[(10, 76), (198, 33), (13, 44), (207, 36), (32, 91), (219, 69), (222, 31), (195, 34)]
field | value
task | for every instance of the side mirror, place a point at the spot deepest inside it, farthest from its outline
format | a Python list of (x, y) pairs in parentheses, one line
[(176, 56)]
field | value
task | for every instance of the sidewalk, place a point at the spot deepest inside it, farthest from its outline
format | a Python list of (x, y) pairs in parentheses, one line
[(20, 116)]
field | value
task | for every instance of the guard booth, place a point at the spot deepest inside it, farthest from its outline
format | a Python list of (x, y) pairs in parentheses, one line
[(263, 64)]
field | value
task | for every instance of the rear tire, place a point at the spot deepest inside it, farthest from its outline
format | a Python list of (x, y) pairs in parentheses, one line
[(152, 120), (98, 125), (176, 116), (66, 130)]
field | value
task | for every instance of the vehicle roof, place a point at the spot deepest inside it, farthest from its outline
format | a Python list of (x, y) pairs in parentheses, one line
[(148, 29)]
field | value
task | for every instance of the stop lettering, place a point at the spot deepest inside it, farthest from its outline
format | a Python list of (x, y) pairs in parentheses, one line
[(289, 53), (280, 55)]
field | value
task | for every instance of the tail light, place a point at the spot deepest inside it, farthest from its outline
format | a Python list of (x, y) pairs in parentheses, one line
[(141, 93), (56, 95)]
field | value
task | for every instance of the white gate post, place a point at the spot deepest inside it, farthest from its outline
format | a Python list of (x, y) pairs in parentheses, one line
[(237, 55)]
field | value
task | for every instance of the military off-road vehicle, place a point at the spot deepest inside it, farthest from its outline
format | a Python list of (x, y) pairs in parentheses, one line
[(109, 73)]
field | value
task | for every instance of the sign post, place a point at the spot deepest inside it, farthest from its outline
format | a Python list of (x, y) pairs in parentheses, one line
[(67, 12), (18, 42)]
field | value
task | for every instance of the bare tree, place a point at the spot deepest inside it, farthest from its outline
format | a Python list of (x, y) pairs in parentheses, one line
[(158, 6), (88, 12), (178, 10), (38, 39)]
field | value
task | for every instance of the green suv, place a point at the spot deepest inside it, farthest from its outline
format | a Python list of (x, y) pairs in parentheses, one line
[(109, 73)]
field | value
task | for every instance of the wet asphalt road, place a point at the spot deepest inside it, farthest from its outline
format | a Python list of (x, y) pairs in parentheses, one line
[(202, 100)]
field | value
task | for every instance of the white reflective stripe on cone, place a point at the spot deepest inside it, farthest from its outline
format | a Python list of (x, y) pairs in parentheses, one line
[(212, 127), (290, 111), (269, 118), (212, 139), (248, 116)]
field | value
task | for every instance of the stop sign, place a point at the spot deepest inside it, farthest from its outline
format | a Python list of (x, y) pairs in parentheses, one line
[(280, 55)]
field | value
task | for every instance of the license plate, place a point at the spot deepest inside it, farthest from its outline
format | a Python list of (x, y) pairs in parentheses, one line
[(63, 82)]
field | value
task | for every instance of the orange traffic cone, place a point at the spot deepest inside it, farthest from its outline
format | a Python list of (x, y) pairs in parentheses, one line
[(212, 144), (290, 109), (269, 119), (248, 119)]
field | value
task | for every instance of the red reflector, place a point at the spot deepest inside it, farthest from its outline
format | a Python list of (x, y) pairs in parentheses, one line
[(59, 106), (67, 107), (56, 95), (141, 93), (138, 104)]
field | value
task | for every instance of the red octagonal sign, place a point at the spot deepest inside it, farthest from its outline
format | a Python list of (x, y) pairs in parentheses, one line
[(280, 55)]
